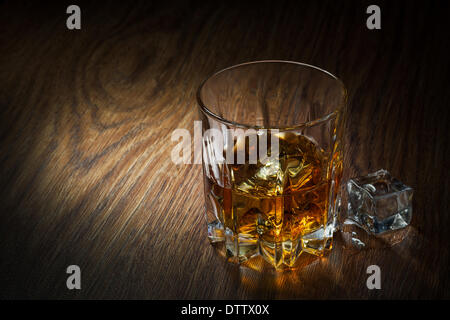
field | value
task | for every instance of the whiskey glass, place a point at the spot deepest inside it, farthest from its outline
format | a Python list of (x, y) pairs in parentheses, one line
[(272, 152)]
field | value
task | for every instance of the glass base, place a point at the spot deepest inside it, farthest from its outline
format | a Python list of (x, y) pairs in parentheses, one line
[(239, 248)]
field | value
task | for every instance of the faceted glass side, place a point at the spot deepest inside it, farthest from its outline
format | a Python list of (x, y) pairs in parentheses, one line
[(279, 209)]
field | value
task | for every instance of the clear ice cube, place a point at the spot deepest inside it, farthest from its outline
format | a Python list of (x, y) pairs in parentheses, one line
[(299, 164), (264, 180), (379, 203)]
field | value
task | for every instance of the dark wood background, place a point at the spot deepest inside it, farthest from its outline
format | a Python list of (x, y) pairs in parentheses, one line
[(86, 118)]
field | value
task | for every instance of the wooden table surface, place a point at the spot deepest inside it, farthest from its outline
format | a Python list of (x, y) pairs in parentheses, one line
[(86, 121)]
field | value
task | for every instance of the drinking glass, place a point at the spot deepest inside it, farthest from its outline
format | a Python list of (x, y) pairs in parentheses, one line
[(272, 159)]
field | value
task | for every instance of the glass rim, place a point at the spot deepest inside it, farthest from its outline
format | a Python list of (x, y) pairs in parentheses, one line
[(311, 123)]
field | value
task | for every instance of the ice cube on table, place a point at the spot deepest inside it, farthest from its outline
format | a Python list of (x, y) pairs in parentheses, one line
[(379, 203)]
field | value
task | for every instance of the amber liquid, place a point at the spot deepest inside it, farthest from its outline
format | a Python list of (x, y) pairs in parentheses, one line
[(278, 209)]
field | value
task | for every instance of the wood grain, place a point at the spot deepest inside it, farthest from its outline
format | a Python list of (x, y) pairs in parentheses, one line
[(86, 119)]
